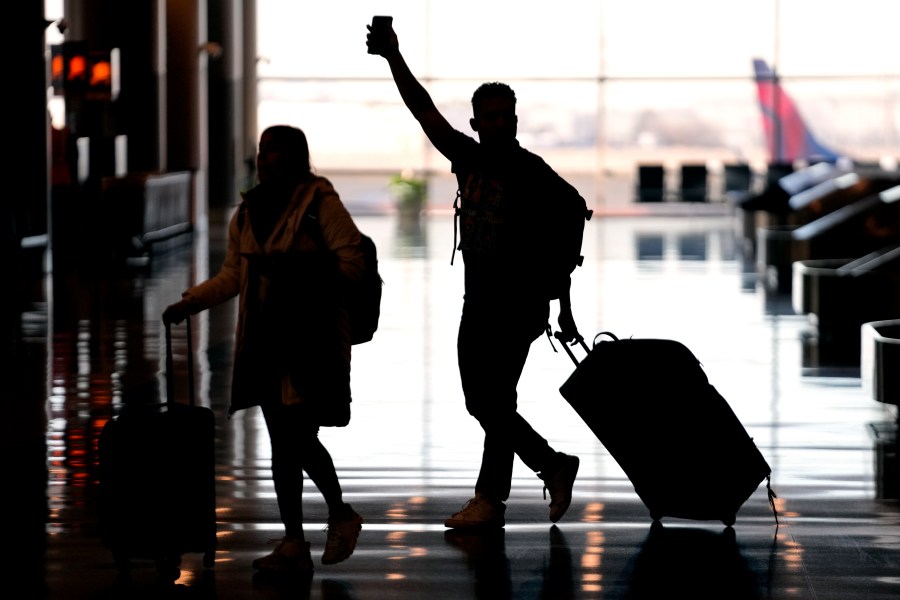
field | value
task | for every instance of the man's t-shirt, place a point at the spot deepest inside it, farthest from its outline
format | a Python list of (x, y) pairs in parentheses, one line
[(507, 204)]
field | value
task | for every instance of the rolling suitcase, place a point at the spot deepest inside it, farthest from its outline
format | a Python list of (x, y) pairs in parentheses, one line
[(157, 479), (651, 405)]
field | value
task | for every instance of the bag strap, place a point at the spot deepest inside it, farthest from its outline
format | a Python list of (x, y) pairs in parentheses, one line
[(456, 211), (772, 496)]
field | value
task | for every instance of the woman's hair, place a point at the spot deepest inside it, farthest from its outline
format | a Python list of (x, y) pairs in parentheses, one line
[(291, 141)]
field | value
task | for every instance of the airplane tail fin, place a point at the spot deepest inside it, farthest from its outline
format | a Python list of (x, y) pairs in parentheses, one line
[(787, 136)]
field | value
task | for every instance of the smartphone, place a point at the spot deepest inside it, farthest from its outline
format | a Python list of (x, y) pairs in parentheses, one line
[(380, 33)]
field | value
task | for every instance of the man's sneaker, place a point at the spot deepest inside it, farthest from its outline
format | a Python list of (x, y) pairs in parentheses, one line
[(342, 535), (478, 512), (290, 554), (559, 478)]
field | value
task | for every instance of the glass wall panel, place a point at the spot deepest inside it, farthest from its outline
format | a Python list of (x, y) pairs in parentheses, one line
[(503, 39), (603, 86), (349, 123), (685, 121), (328, 39), (838, 38), (685, 38)]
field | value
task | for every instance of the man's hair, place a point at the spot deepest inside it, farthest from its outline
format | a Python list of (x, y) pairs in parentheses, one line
[(492, 89)]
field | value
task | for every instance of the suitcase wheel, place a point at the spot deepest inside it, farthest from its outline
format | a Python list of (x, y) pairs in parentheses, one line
[(729, 520), (209, 559), (655, 516)]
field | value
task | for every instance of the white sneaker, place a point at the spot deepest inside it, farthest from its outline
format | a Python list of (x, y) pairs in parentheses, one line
[(478, 512)]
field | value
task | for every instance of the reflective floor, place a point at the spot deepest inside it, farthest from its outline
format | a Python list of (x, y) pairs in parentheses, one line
[(88, 339)]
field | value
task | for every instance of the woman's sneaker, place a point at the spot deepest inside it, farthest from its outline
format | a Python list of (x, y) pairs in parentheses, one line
[(290, 555), (342, 535), (479, 512)]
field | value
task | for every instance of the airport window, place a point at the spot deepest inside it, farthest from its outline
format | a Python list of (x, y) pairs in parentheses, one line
[(602, 85)]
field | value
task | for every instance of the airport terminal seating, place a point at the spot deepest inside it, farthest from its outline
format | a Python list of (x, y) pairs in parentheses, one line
[(694, 183), (141, 210), (880, 360), (772, 205), (839, 296), (852, 274), (737, 182), (795, 197), (839, 206), (754, 209), (880, 373), (651, 184)]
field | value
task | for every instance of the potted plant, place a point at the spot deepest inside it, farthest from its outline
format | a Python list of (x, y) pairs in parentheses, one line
[(409, 193)]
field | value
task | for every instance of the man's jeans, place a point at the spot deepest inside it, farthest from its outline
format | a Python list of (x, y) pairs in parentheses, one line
[(492, 347)]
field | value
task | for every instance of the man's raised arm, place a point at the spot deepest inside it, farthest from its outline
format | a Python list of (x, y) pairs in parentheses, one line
[(413, 93)]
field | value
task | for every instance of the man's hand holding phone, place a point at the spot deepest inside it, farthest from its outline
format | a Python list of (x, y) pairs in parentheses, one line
[(379, 39)]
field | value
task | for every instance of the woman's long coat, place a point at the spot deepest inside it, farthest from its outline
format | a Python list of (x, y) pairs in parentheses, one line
[(292, 335)]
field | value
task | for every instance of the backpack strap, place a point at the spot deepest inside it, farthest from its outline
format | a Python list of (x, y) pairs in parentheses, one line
[(456, 211)]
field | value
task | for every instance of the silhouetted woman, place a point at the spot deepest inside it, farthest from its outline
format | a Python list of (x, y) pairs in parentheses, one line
[(292, 249)]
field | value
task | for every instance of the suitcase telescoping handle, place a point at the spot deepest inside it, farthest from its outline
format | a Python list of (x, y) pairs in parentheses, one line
[(580, 340), (170, 364)]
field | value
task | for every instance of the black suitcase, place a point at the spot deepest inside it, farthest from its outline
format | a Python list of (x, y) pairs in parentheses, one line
[(157, 479), (651, 405)]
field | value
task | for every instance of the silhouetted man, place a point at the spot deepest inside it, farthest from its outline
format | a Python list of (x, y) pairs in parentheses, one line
[(508, 196)]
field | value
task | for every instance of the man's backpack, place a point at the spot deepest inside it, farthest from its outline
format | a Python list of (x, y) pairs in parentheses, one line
[(364, 297), (557, 223), (563, 230)]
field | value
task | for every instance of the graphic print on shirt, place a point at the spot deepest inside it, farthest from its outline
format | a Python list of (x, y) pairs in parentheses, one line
[(481, 216)]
